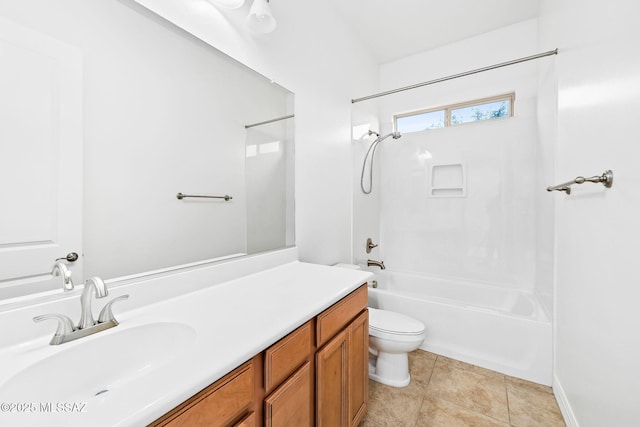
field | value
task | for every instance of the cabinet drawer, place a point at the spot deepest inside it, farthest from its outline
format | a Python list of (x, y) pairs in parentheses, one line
[(334, 319), (284, 357), (217, 405)]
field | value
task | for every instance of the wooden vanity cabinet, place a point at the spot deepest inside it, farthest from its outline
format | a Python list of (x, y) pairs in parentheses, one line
[(316, 375), (342, 362), (358, 356), (332, 373), (288, 378), (230, 401)]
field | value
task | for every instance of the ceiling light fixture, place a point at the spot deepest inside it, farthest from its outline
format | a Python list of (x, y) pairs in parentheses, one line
[(228, 4), (260, 19)]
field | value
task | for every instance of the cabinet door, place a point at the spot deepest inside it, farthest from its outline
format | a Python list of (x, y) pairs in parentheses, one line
[(331, 381), (290, 404), (358, 352)]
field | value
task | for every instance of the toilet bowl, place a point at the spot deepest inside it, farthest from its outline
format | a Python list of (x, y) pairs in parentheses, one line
[(391, 337)]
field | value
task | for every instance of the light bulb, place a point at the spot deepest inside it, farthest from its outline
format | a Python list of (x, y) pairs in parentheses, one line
[(260, 19)]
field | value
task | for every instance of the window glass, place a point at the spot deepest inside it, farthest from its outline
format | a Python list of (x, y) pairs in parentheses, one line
[(450, 115), (420, 122), (473, 113)]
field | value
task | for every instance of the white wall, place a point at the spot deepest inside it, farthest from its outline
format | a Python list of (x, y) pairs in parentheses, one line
[(597, 318), (491, 234), (317, 57)]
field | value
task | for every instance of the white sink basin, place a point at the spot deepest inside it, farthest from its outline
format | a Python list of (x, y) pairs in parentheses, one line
[(101, 364)]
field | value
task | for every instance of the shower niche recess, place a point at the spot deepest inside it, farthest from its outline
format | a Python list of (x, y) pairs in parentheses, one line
[(447, 180)]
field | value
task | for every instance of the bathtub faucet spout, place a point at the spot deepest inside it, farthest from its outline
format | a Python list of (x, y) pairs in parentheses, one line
[(380, 264)]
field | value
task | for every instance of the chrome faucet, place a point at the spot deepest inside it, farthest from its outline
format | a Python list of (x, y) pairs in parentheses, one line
[(66, 331), (371, 262), (61, 269), (86, 316)]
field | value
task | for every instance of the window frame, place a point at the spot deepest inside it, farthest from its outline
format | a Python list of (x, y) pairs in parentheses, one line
[(510, 97)]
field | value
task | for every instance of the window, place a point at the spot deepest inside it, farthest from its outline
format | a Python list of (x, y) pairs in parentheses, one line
[(421, 121), (455, 114)]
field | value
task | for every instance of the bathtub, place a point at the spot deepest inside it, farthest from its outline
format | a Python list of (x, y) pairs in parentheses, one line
[(489, 326)]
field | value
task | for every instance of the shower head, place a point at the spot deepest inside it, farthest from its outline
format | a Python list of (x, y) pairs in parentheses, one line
[(379, 138), (395, 135)]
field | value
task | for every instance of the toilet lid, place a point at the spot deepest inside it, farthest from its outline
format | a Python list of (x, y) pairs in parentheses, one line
[(395, 323)]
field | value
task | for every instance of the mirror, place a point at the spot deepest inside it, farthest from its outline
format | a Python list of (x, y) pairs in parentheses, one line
[(157, 112)]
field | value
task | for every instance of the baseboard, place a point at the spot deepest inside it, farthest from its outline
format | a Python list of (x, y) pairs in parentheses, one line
[(567, 413)]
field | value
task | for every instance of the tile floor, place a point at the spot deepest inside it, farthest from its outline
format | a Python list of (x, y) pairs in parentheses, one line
[(448, 393)]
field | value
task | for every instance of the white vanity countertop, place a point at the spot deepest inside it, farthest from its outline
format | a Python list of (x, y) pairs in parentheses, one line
[(232, 321)]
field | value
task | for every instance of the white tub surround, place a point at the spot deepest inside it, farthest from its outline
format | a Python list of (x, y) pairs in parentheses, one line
[(225, 323), (496, 328)]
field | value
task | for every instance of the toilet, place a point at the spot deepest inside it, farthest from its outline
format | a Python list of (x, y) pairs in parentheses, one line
[(391, 337)]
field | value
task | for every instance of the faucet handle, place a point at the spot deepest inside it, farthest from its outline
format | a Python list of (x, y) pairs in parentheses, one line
[(65, 324), (106, 314), (370, 245)]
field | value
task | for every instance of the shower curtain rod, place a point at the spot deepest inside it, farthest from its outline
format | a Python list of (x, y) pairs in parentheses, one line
[(290, 116), (455, 76)]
